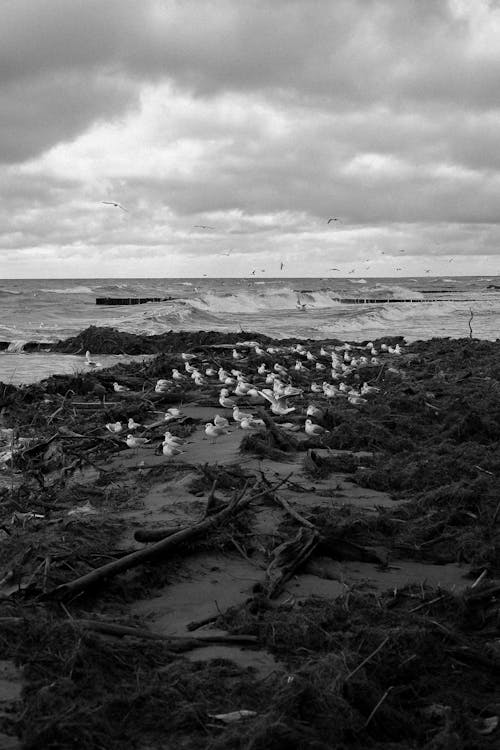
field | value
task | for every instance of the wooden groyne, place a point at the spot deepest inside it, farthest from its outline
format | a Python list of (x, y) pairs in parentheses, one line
[(131, 300), (392, 300)]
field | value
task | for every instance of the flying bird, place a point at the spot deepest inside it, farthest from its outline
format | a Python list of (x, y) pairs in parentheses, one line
[(334, 269), (202, 226), (282, 265), (116, 205), (332, 219)]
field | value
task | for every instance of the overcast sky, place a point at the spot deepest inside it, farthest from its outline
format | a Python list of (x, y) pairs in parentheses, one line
[(261, 119)]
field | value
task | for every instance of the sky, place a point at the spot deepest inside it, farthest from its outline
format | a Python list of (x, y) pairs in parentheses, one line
[(260, 120)]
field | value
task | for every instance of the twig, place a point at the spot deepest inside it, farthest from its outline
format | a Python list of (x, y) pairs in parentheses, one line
[(195, 624), (480, 578), (470, 321), (427, 604), (368, 658), (485, 471), (378, 706)]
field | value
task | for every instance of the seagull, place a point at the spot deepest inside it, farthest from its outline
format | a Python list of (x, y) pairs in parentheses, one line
[(172, 413), (90, 362), (173, 440), (116, 205), (224, 401), (278, 404), (334, 269), (356, 400), (133, 425), (250, 424), (239, 415), (282, 265), (202, 226), (221, 421), (162, 386), (366, 389), (114, 427), (315, 411), (332, 219), (214, 432), (314, 430), (136, 442), (170, 451), (120, 388)]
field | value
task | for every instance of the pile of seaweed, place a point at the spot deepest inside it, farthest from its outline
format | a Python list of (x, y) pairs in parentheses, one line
[(103, 340)]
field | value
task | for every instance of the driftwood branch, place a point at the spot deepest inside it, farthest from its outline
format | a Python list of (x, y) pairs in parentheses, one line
[(287, 558), (286, 505), (158, 549), (178, 643)]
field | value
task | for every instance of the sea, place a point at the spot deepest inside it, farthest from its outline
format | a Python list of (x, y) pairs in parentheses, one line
[(354, 309)]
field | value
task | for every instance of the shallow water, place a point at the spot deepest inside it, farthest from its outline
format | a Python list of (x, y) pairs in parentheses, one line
[(49, 310)]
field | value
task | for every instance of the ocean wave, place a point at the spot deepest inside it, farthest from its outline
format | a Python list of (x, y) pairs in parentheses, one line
[(70, 290), (8, 291), (398, 292)]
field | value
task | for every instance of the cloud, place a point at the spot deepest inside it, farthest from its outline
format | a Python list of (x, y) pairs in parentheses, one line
[(260, 118)]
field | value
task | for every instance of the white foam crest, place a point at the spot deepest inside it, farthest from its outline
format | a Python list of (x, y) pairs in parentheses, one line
[(70, 290), (358, 281), (399, 292), (17, 345), (272, 299)]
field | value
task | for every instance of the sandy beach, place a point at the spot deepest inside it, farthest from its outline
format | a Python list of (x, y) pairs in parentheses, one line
[(272, 583)]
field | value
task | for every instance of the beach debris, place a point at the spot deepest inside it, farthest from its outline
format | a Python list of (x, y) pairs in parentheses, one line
[(287, 557), (19, 518), (87, 509), (234, 716)]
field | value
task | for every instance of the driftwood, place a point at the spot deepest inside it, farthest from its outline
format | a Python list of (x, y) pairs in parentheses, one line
[(155, 535), (287, 557), (338, 548), (285, 505), (158, 549), (178, 643)]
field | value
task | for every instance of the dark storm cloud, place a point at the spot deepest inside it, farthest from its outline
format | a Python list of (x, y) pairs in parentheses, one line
[(64, 64), (38, 112)]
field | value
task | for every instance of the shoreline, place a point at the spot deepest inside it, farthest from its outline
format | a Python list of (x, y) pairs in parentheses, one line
[(358, 566)]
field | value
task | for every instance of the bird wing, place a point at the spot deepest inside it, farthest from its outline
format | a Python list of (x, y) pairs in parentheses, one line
[(268, 395)]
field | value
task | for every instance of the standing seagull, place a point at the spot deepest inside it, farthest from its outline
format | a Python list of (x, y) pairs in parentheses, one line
[(116, 205)]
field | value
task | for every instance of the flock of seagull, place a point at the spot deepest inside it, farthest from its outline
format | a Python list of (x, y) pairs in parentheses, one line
[(318, 378), (206, 227)]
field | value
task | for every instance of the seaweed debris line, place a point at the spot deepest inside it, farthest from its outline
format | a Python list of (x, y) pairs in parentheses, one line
[(262, 584)]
